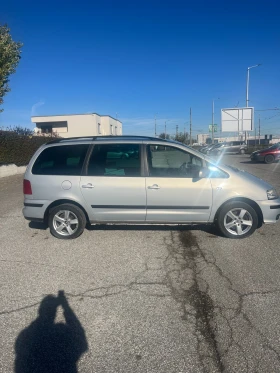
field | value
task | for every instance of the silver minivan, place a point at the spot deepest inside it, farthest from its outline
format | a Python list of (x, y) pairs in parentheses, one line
[(141, 180), (234, 147)]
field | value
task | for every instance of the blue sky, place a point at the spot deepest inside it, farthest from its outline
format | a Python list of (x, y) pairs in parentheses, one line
[(142, 59)]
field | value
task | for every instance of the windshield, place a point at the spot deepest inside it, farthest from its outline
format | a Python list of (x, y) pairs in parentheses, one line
[(275, 146)]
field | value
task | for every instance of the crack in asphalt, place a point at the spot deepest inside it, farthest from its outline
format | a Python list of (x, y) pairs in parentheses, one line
[(196, 304), (19, 309), (51, 265), (211, 314)]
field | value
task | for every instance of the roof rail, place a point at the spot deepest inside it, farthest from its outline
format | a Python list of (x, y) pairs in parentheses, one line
[(71, 138), (129, 137), (105, 137)]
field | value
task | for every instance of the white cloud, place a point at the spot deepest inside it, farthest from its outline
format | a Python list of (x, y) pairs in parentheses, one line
[(35, 106)]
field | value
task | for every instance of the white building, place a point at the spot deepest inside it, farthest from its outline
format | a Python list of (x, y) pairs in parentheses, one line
[(201, 138), (78, 125)]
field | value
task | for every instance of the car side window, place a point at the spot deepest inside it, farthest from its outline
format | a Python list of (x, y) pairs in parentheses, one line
[(61, 160), (115, 160), (168, 161)]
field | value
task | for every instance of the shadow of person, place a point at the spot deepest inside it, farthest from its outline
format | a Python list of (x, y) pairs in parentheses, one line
[(49, 347)]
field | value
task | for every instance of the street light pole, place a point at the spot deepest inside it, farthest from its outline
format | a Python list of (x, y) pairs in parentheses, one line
[(190, 126), (213, 122), (247, 84), (165, 127)]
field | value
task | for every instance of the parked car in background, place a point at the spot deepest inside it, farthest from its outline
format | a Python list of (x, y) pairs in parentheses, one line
[(234, 147), (206, 149), (71, 182), (268, 155)]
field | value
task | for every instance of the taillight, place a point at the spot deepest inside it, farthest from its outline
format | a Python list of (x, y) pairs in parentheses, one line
[(27, 187)]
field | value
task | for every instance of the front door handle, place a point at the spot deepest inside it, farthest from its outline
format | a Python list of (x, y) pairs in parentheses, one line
[(88, 186), (155, 186)]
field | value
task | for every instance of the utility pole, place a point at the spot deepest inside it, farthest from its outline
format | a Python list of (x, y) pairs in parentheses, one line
[(155, 126), (259, 129), (165, 130), (177, 131), (190, 126), (255, 137)]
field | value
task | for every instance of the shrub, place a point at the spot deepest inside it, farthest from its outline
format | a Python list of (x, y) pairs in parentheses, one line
[(18, 149)]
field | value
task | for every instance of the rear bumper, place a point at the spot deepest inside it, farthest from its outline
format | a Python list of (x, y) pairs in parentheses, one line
[(35, 210), (270, 210)]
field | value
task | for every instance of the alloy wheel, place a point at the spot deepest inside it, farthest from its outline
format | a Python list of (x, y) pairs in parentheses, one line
[(65, 222), (238, 221)]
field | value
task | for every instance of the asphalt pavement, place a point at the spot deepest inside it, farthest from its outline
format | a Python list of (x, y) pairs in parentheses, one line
[(138, 298)]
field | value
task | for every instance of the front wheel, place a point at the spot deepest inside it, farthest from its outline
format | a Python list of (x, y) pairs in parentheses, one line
[(67, 221), (242, 151), (269, 158), (237, 220)]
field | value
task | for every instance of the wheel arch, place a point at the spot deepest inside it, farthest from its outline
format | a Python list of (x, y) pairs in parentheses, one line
[(250, 202), (60, 202)]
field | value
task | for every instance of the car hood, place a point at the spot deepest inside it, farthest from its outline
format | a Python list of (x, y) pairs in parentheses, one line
[(254, 180), (245, 180), (257, 151), (263, 151)]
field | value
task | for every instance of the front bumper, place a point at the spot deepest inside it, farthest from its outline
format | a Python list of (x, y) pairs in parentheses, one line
[(257, 158), (270, 210)]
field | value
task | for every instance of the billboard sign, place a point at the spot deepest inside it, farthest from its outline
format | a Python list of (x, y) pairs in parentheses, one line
[(237, 119)]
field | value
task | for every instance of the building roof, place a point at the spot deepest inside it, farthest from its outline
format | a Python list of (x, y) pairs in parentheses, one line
[(68, 115)]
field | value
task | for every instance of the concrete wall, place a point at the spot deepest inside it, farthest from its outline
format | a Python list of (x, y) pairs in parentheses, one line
[(81, 124)]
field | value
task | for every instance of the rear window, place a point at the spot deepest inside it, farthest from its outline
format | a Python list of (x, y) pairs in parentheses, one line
[(61, 160)]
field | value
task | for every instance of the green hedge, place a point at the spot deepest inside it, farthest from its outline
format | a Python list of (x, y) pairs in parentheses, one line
[(19, 149)]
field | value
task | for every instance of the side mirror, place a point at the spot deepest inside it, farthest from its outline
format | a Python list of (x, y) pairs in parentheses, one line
[(203, 173)]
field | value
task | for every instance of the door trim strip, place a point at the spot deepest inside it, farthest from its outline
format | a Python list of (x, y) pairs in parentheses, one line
[(150, 207)]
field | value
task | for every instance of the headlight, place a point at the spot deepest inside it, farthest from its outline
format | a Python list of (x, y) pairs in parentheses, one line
[(271, 194)]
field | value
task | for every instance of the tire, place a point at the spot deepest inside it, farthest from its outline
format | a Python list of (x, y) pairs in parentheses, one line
[(60, 218), (269, 158), (231, 218), (242, 151)]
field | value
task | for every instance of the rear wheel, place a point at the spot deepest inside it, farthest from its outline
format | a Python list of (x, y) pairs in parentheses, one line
[(67, 221), (269, 158), (237, 220), (242, 151)]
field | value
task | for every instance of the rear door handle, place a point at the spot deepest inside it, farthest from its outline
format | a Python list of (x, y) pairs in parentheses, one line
[(88, 186), (155, 186)]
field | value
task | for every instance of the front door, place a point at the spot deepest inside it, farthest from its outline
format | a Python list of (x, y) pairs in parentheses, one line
[(175, 193), (114, 188)]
